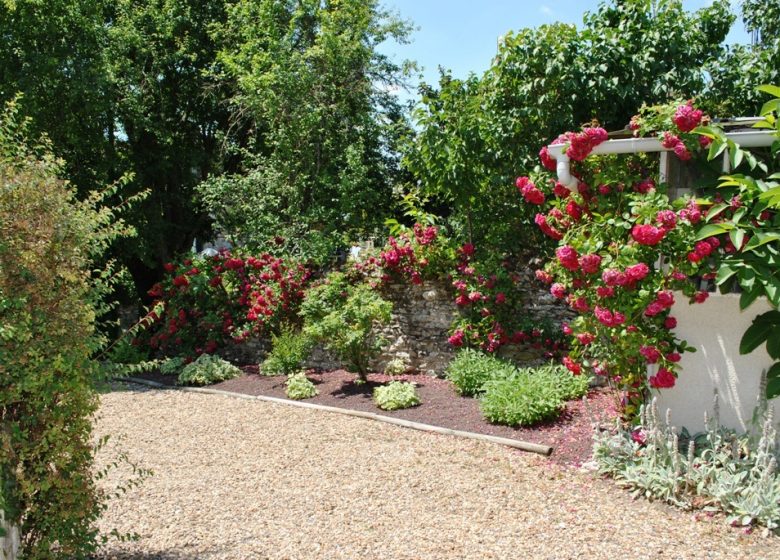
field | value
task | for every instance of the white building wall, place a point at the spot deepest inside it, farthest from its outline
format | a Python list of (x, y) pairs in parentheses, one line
[(715, 328)]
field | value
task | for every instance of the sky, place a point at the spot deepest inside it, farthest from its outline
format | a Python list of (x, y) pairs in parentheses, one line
[(462, 34)]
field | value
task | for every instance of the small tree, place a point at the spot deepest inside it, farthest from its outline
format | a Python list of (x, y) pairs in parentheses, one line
[(343, 316), (49, 301)]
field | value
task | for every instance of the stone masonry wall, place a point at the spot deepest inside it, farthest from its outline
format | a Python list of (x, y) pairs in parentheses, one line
[(419, 329)]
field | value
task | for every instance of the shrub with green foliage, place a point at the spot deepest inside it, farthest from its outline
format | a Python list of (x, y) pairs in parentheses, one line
[(471, 369), (50, 298), (396, 395), (172, 366), (207, 369), (288, 351), (569, 386), (300, 387), (522, 398), (342, 316), (396, 366)]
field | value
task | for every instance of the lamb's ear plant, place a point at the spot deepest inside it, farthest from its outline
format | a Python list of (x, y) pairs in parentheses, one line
[(718, 469)]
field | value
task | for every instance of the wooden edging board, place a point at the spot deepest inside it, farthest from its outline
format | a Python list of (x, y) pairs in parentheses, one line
[(517, 444)]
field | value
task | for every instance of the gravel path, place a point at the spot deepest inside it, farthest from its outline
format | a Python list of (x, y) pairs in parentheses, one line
[(246, 479)]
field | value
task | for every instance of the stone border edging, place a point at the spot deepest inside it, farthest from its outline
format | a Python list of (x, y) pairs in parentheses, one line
[(545, 450)]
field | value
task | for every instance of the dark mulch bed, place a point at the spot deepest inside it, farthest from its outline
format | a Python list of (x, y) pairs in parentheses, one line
[(569, 435)]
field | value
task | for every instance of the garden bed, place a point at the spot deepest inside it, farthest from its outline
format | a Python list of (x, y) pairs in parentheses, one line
[(569, 435)]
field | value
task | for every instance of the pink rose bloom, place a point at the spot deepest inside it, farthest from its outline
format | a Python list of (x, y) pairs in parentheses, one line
[(590, 263), (650, 353), (681, 151), (566, 329), (474, 296), (700, 297), (543, 276), (673, 357), (579, 304), (687, 118), (637, 272), (572, 366), (585, 338), (558, 290), (547, 160), (666, 218), (645, 186), (654, 309), (647, 234), (462, 300), (574, 210), (664, 379), (560, 191), (670, 322), (456, 339), (605, 291), (665, 298), (541, 221), (568, 257), (613, 277), (500, 297)]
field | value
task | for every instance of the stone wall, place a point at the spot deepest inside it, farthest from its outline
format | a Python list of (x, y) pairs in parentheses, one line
[(419, 329), (421, 319)]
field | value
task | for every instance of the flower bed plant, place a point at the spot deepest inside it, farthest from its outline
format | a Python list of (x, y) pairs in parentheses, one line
[(207, 302), (396, 395)]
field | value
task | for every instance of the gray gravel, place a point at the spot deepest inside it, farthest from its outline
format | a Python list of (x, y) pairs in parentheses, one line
[(248, 479)]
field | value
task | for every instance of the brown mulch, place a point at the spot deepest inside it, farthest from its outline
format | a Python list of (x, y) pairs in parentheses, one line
[(570, 435)]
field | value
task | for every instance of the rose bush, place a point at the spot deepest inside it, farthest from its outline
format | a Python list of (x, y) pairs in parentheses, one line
[(207, 302), (624, 250)]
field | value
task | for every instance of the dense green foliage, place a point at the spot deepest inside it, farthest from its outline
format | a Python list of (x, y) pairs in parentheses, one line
[(396, 395), (206, 370), (289, 349), (343, 316), (311, 92), (49, 302), (528, 396), (471, 369), (476, 135), (299, 387)]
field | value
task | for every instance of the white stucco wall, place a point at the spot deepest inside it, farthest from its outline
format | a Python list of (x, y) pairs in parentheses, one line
[(715, 328)]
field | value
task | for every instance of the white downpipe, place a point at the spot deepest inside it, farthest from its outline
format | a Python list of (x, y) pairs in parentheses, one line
[(9, 544), (747, 139)]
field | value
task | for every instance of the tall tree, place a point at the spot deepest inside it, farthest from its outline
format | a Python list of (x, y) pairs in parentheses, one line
[(312, 122)]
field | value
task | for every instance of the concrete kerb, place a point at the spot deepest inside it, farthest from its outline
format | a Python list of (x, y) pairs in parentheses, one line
[(540, 449)]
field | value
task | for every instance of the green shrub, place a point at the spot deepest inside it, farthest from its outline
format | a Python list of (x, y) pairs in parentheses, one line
[(289, 349), (172, 366), (396, 395), (300, 387), (396, 366), (521, 399), (342, 316), (50, 297), (207, 369), (471, 369), (569, 386)]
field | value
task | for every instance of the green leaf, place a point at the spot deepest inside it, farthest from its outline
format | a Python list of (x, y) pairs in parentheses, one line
[(748, 297), (755, 336), (725, 272), (770, 107), (737, 236), (773, 345), (770, 89), (736, 156), (716, 148), (713, 229), (761, 238)]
